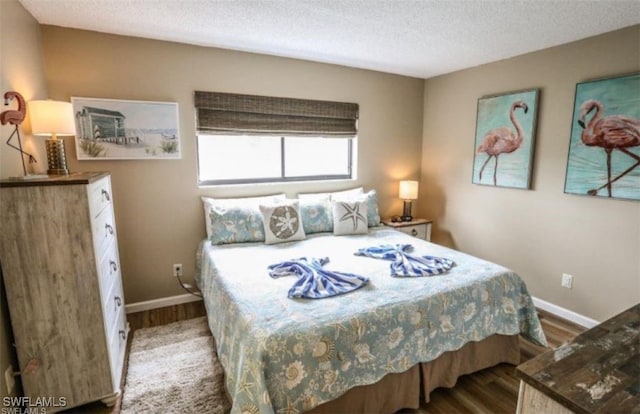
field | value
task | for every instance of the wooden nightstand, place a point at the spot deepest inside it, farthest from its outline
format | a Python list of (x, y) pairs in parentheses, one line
[(419, 228)]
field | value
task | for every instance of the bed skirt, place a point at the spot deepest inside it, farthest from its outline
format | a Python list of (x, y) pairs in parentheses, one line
[(396, 391)]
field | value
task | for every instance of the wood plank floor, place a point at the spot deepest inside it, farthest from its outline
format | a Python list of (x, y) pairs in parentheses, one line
[(493, 390)]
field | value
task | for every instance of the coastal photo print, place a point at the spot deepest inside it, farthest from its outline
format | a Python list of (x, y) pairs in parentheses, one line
[(110, 129), (505, 136), (604, 148)]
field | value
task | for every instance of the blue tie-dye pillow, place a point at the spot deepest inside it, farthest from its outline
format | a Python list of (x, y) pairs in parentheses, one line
[(316, 215)]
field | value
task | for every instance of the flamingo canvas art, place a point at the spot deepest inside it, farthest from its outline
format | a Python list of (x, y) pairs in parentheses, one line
[(504, 143), (604, 150)]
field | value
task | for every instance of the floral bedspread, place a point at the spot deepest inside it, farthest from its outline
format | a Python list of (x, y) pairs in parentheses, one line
[(284, 355)]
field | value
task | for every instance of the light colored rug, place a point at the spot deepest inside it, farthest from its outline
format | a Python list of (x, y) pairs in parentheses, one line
[(174, 369)]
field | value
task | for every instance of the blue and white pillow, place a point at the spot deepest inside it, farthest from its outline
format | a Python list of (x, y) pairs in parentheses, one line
[(316, 215), (236, 220), (235, 224)]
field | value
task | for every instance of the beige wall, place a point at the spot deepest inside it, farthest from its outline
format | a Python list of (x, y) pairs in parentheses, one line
[(21, 70), (157, 205), (543, 232)]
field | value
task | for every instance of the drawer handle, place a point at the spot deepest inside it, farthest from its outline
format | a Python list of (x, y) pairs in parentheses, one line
[(414, 233), (123, 334), (118, 301), (113, 265), (106, 195), (109, 228)]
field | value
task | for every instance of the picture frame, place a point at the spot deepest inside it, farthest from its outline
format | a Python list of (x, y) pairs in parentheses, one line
[(505, 139), (604, 142), (116, 129)]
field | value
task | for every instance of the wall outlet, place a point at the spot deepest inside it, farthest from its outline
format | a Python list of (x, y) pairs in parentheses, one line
[(567, 281), (177, 270), (9, 380)]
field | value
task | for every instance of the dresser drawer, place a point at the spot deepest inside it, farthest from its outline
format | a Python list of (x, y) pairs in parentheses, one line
[(104, 232), (117, 346), (419, 231), (109, 271), (113, 304), (99, 194)]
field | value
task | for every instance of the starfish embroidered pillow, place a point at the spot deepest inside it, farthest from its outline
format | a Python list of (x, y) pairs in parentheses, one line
[(349, 217), (282, 222)]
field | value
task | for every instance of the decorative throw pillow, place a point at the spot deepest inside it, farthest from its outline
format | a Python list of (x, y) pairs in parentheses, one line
[(349, 217), (245, 202), (282, 222), (373, 214), (316, 215), (235, 224)]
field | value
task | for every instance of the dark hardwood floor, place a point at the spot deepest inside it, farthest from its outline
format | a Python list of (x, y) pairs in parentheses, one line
[(493, 390)]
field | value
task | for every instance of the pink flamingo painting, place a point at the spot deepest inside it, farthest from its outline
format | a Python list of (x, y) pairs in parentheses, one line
[(502, 140), (613, 132)]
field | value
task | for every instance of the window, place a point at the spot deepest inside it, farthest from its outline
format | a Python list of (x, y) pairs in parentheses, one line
[(253, 138), (236, 159)]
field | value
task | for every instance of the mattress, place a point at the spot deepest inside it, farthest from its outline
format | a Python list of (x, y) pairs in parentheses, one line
[(290, 355)]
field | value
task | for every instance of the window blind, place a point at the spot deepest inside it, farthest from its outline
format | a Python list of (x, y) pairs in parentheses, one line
[(219, 112)]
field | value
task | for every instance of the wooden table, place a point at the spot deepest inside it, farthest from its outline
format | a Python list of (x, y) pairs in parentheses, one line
[(597, 372)]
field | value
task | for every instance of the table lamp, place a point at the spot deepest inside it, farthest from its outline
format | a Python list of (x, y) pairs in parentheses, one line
[(408, 191), (53, 118)]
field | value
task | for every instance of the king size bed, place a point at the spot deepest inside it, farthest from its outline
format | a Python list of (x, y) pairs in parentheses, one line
[(379, 348)]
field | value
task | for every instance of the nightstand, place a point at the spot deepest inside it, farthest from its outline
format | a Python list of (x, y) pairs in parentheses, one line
[(419, 228)]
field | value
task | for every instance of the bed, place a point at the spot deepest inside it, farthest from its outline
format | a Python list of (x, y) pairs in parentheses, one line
[(376, 349)]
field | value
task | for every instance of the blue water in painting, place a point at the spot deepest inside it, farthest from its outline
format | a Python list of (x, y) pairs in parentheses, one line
[(587, 166), (513, 168)]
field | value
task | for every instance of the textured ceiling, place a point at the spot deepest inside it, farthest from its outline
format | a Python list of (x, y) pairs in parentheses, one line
[(421, 38)]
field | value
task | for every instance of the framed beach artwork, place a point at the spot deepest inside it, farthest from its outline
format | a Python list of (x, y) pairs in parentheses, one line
[(504, 142), (110, 129), (604, 146)]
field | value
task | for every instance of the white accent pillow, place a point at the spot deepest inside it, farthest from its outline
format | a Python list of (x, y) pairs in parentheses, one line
[(349, 217), (373, 215), (282, 222)]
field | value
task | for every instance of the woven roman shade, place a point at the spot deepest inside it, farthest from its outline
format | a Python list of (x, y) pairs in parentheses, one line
[(226, 113)]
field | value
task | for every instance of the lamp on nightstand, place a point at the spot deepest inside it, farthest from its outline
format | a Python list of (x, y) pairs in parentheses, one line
[(408, 191), (53, 118)]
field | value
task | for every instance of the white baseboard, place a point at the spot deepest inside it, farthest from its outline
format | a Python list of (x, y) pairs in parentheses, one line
[(565, 313), (160, 303)]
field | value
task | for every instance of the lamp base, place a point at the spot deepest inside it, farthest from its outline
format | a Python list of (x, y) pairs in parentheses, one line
[(56, 157), (406, 211)]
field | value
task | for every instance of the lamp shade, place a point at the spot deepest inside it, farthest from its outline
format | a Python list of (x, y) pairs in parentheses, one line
[(51, 118), (408, 190)]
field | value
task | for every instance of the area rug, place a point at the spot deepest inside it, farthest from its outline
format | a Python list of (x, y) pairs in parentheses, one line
[(174, 369)]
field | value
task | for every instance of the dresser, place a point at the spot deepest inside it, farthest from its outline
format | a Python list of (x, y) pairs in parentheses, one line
[(597, 372), (417, 227), (59, 257)]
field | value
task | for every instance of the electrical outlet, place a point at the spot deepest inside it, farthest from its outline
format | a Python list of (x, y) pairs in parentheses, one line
[(567, 281), (9, 380), (177, 270)]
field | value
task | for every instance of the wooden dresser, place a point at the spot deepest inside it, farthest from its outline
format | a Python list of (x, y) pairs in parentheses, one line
[(597, 372), (59, 257)]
